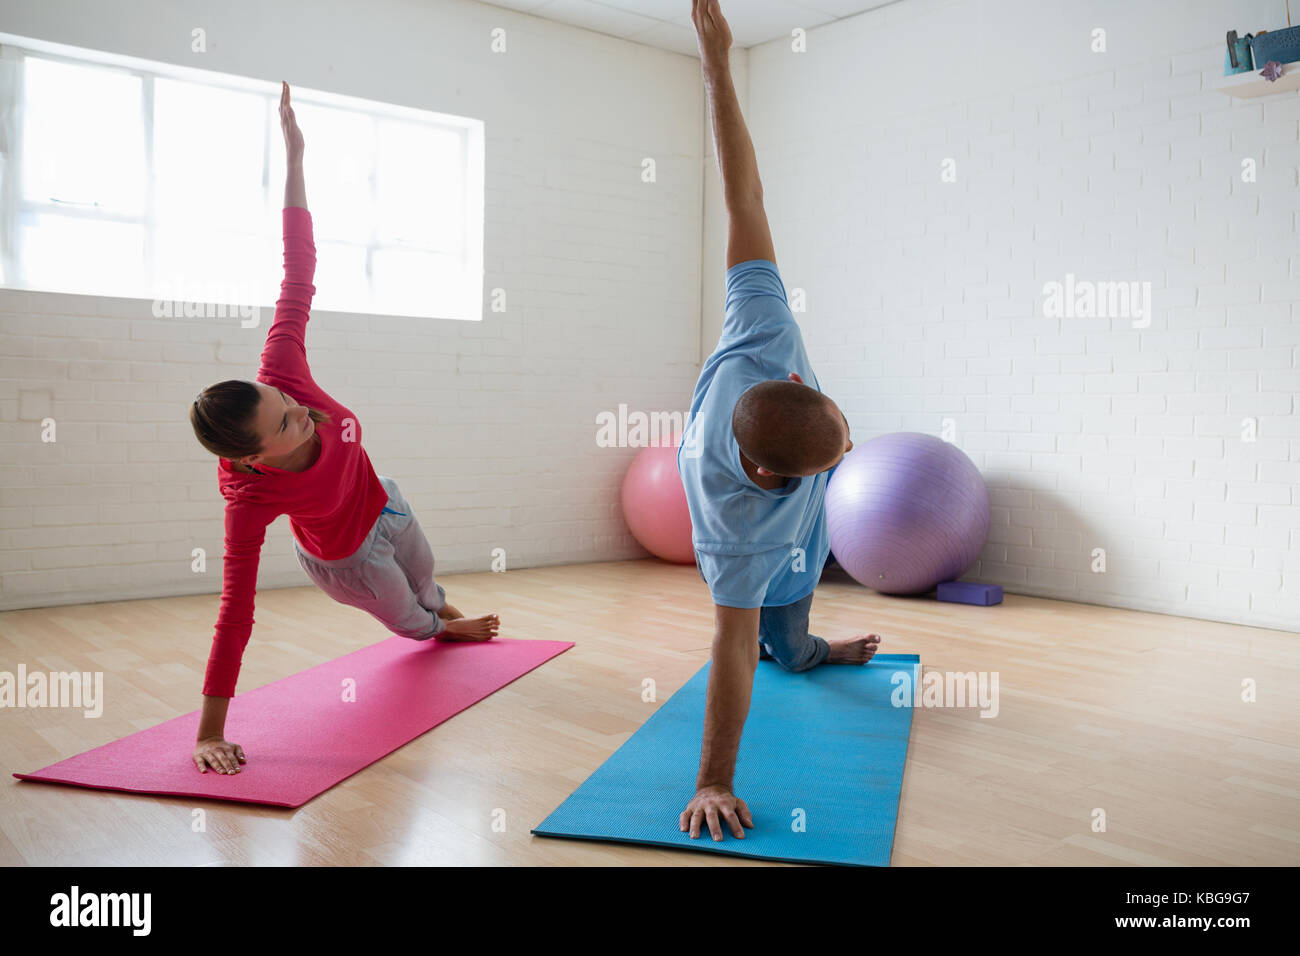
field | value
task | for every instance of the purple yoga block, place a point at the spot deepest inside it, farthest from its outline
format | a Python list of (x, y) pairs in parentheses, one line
[(968, 592)]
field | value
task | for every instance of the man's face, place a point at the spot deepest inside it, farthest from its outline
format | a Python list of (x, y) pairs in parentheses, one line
[(282, 423)]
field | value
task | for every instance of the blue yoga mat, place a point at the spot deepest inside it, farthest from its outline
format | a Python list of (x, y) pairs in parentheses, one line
[(824, 750)]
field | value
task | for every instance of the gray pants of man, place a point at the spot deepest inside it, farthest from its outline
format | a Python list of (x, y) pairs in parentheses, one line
[(390, 576)]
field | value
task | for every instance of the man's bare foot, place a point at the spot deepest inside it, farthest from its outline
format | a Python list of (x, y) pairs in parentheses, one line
[(857, 650), (471, 628), (449, 613)]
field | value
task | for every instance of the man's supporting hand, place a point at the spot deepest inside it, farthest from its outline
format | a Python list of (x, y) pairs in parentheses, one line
[(716, 805), (731, 682)]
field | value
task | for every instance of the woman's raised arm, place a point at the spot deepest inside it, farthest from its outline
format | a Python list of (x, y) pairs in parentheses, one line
[(284, 357), (295, 189)]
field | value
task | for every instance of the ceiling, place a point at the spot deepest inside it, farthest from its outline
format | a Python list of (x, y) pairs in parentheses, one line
[(667, 23)]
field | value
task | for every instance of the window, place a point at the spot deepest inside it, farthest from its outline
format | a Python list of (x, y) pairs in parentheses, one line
[(128, 178)]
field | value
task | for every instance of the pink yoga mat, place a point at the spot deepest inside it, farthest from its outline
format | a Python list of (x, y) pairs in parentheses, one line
[(300, 735)]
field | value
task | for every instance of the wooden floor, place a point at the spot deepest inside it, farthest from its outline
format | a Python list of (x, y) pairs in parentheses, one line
[(1134, 713)]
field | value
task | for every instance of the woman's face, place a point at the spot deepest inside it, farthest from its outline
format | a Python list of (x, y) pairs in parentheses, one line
[(282, 423)]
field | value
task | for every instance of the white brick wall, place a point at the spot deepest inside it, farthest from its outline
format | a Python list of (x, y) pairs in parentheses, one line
[(489, 428), (924, 297)]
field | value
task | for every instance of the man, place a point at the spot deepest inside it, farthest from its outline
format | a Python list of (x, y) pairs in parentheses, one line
[(754, 460)]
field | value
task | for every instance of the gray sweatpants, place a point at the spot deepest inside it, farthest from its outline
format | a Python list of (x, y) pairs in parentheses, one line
[(390, 576)]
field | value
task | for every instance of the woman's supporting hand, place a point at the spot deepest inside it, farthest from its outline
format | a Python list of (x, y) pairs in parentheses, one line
[(219, 754)]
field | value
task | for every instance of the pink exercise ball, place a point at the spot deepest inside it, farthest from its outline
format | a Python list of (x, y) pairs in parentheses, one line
[(654, 505)]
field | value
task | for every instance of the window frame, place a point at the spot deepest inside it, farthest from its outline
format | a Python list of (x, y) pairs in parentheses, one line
[(15, 208)]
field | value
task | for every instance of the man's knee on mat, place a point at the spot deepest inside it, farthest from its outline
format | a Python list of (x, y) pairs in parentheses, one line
[(806, 660)]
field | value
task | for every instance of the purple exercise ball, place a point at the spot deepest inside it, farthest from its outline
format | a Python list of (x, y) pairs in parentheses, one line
[(905, 512)]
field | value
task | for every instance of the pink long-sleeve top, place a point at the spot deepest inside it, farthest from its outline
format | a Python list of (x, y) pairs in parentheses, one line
[(331, 506)]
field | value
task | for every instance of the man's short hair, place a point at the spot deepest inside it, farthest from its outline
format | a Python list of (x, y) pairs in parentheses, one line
[(788, 428)]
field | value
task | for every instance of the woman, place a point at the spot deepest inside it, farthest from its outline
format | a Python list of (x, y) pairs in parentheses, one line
[(354, 532)]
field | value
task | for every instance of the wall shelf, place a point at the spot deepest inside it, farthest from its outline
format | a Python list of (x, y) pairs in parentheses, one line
[(1251, 84)]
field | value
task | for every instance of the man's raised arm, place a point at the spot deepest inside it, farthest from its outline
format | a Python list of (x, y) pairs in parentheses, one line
[(748, 235)]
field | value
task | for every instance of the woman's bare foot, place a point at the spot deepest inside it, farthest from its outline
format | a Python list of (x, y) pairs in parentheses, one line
[(449, 613), (471, 628), (857, 650)]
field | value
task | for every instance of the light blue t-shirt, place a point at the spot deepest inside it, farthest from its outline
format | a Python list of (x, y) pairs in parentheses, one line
[(745, 536)]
